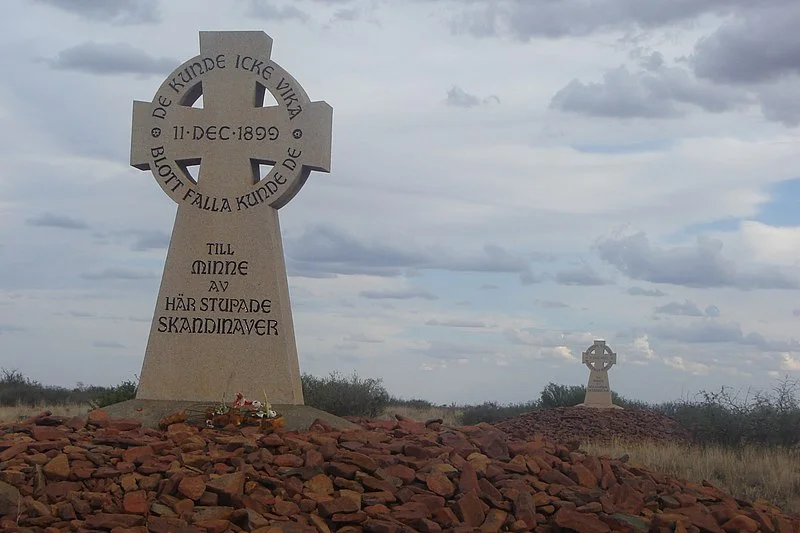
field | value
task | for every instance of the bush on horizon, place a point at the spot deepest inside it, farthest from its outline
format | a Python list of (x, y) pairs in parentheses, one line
[(345, 396), (725, 417), (16, 389)]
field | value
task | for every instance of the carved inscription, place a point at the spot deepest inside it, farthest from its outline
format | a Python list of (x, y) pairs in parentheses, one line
[(257, 134), (221, 315), (598, 384)]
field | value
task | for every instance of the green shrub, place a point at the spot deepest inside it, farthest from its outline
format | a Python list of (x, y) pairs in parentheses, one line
[(16, 389), (111, 395), (491, 412), (414, 403), (345, 396), (554, 395), (735, 419)]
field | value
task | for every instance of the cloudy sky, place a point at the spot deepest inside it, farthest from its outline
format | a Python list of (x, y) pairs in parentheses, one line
[(510, 180)]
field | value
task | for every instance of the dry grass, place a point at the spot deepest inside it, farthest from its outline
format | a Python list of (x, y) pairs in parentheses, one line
[(449, 415), (751, 472), (21, 412)]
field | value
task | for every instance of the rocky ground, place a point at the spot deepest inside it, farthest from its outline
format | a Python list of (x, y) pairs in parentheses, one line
[(102, 474), (568, 424)]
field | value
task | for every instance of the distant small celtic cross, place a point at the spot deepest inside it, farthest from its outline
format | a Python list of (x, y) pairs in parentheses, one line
[(599, 357)]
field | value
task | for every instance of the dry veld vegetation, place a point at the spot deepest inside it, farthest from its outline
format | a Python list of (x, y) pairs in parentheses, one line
[(21, 412), (753, 472)]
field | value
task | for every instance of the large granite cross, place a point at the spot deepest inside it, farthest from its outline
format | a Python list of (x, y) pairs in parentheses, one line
[(223, 321)]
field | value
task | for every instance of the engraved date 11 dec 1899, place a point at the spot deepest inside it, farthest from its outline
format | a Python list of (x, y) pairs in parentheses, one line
[(225, 133)]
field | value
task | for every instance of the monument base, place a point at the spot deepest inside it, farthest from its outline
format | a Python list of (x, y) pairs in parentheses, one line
[(150, 412), (599, 406)]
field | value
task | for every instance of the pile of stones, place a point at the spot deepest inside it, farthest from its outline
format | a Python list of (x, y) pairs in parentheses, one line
[(566, 424), (102, 474)]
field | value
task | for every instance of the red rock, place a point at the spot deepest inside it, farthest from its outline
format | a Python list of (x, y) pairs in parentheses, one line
[(445, 517), (377, 510), (45, 433), (183, 507), (286, 508), (76, 423), (582, 476), (131, 454), (227, 484), (402, 472), (214, 526), (493, 444), (495, 519), (764, 521), (9, 499), (490, 492), (585, 523), (468, 481), (352, 518), (112, 520), (336, 506), (700, 517), (525, 509), (124, 424), (57, 468), (212, 512), (319, 523), (313, 458), (440, 484), (166, 524), (575, 423), (740, 523), (192, 487), (289, 460), (555, 477), (469, 510), (344, 470), (319, 484), (627, 499), (135, 502), (98, 417), (383, 526), (408, 512), (364, 462), (13, 451)]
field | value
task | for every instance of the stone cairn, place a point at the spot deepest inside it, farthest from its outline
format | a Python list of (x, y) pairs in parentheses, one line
[(101, 474)]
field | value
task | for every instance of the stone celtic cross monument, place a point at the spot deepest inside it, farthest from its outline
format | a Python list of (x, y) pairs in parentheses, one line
[(223, 321), (599, 359)]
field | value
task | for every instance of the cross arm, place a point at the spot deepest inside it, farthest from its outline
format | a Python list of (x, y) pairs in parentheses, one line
[(316, 123), (141, 133)]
